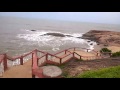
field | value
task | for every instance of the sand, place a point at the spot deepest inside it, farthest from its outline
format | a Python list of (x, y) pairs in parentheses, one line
[(19, 71), (114, 48)]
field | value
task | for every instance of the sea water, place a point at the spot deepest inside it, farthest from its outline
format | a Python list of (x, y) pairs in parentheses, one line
[(17, 38)]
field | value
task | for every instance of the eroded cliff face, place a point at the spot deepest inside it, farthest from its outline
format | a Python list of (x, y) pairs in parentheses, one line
[(103, 37)]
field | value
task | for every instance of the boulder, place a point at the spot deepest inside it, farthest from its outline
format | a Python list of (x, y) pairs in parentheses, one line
[(33, 30), (55, 34)]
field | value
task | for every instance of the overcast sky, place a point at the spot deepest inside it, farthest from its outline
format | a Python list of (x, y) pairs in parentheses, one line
[(97, 17)]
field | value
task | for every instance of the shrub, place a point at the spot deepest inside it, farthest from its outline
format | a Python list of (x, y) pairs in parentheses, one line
[(116, 54), (105, 50)]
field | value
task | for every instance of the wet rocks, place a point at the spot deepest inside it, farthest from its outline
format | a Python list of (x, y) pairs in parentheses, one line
[(55, 34), (103, 37)]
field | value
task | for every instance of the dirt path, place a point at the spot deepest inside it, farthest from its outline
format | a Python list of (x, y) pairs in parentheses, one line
[(75, 67)]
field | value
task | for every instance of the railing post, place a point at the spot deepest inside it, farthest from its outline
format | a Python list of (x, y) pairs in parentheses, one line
[(80, 57), (73, 54), (32, 58), (21, 60), (65, 51), (5, 62), (46, 56), (87, 50), (35, 65), (60, 60)]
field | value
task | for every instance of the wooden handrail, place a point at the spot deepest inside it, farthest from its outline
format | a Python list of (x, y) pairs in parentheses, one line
[(54, 55), (27, 54), (77, 54), (66, 55), (69, 51), (41, 51), (41, 56)]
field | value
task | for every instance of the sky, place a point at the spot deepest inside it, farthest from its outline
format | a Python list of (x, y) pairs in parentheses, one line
[(94, 17)]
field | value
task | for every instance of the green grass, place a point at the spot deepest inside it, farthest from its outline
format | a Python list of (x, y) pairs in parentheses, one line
[(112, 72), (105, 50), (116, 54)]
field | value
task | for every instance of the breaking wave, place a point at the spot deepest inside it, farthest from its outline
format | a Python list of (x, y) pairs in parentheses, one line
[(45, 39)]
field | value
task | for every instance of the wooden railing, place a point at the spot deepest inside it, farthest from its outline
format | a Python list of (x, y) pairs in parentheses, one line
[(40, 58)]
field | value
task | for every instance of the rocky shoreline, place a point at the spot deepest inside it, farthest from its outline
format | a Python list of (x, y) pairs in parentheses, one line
[(103, 37)]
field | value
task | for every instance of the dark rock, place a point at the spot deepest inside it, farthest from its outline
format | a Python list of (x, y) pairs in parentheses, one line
[(55, 34), (88, 41), (98, 44), (91, 44), (33, 30)]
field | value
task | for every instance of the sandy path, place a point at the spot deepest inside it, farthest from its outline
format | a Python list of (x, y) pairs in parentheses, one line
[(20, 71), (114, 48)]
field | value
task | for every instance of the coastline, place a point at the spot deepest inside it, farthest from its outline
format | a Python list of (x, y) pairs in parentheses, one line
[(11, 73), (104, 39)]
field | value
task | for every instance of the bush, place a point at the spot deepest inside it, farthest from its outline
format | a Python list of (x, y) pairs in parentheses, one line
[(116, 54), (105, 50)]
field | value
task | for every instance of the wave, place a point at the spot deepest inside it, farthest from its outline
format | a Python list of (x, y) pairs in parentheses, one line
[(54, 39)]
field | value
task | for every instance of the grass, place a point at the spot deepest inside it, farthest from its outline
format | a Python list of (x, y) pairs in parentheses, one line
[(116, 54), (111, 72), (65, 74), (105, 50)]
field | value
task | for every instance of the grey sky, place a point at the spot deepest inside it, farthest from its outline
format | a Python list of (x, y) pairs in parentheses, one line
[(97, 17)]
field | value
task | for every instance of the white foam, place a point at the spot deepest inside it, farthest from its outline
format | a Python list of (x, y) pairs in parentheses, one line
[(74, 40), (55, 49), (52, 41), (77, 35), (91, 47)]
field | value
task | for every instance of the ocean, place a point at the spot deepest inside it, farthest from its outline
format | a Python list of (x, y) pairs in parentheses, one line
[(16, 37)]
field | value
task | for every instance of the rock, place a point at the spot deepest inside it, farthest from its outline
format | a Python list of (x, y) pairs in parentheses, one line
[(33, 30), (55, 34), (91, 44), (98, 44), (88, 41), (103, 37)]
